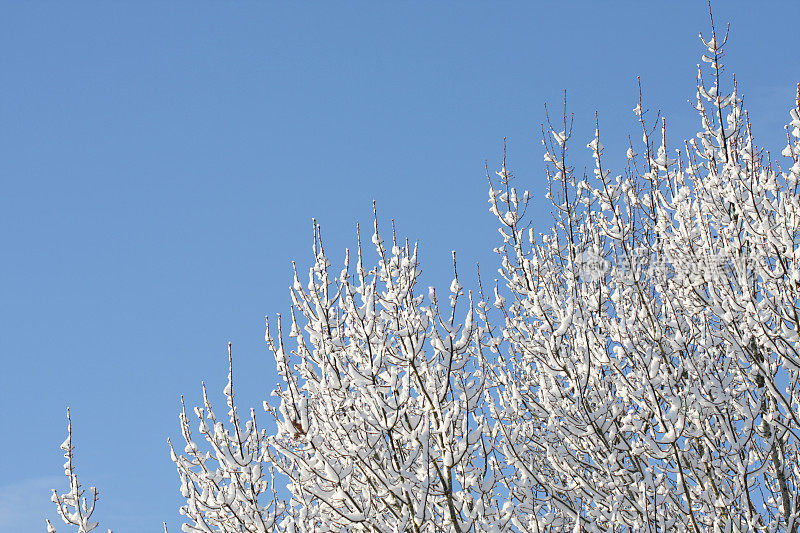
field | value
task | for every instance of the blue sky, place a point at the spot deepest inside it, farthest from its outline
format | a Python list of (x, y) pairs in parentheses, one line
[(161, 163)]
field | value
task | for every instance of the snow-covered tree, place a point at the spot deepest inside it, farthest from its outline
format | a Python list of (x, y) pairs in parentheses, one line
[(648, 375), (635, 368)]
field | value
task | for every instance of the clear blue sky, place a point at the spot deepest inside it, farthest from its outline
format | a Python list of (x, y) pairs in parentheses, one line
[(161, 163)]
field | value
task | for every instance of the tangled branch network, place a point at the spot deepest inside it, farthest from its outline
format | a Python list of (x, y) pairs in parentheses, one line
[(635, 368)]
